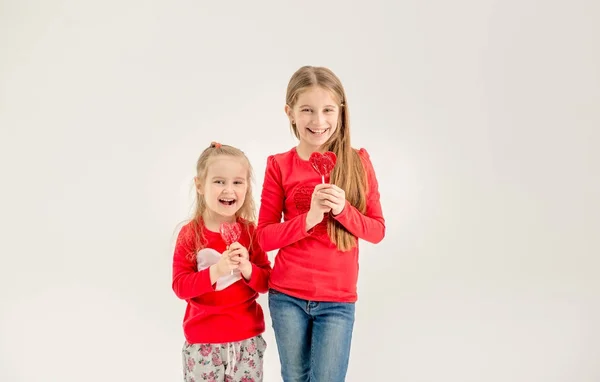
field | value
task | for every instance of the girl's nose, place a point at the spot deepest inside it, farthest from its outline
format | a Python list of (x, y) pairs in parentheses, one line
[(317, 118)]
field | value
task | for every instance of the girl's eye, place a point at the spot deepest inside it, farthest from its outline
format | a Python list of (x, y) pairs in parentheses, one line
[(219, 181), (305, 110), (239, 182)]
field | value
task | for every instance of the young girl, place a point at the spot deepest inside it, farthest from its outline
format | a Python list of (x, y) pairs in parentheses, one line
[(222, 322), (313, 282)]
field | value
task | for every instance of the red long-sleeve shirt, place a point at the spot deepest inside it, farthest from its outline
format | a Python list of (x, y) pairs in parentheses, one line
[(226, 311), (308, 265)]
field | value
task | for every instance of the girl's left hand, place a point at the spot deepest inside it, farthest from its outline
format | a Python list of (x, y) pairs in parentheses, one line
[(334, 197), (239, 254)]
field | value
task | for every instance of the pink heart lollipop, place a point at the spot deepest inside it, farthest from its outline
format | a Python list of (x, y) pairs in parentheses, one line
[(230, 232), (323, 163)]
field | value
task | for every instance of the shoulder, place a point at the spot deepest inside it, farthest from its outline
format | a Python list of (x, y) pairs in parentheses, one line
[(364, 156), (188, 228), (188, 233), (280, 165), (367, 164), (280, 158), (362, 152)]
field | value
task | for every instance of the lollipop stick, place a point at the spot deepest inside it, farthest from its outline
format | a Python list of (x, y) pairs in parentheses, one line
[(322, 178), (231, 272)]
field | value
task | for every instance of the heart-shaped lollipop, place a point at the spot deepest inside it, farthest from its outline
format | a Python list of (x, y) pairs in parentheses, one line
[(323, 163), (230, 232)]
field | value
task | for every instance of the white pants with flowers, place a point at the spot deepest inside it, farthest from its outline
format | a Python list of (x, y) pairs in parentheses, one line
[(228, 362)]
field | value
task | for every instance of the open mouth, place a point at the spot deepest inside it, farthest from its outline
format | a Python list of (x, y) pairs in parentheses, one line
[(227, 201), (317, 131)]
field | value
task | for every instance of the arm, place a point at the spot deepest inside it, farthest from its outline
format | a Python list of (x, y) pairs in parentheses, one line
[(188, 282), (369, 226), (271, 232), (261, 268)]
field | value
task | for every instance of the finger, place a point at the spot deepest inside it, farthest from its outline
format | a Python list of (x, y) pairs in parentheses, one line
[(334, 191), (242, 254), (332, 199), (339, 193), (235, 245), (242, 261), (233, 263), (329, 204), (322, 195), (325, 209), (238, 247), (329, 191), (231, 256), (321, 186)]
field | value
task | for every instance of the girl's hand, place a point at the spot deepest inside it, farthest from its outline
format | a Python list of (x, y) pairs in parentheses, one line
[(317, 206), (334, 198), (236, 249), (239, 255), (225, 266)]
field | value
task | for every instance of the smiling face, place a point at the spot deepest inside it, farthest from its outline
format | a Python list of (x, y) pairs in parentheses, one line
[(315, 117), (224, 187)]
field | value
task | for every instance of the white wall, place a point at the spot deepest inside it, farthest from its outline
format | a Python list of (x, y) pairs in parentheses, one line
[(486, 112)]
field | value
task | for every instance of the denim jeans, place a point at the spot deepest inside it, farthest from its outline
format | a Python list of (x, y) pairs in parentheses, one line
[(313, 338)]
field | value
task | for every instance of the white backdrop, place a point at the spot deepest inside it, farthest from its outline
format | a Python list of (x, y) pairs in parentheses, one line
[(486, 114)]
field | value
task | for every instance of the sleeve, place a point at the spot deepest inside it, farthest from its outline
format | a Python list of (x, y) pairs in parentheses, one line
[(369, 226), (271, 232), (188, 282), (261, 268)]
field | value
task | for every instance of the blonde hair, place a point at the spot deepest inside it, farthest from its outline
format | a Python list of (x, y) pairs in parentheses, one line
[(245, 215), (348, 173)]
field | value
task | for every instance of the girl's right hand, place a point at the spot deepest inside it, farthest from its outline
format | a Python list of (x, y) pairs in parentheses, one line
[(317, 207), (224, 266)]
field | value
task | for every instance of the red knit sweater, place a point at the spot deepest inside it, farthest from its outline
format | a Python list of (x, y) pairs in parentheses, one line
[(308, 265), (226, 311)]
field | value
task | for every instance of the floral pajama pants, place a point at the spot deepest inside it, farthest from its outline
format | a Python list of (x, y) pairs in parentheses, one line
[(228, 362)]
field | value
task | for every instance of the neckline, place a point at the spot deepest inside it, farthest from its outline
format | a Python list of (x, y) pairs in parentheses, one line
[(297, 154)]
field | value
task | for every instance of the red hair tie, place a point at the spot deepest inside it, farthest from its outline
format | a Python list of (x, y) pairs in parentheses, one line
[(215, 145)]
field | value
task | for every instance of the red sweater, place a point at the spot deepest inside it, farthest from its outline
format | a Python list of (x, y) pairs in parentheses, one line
[(308, 265), (226, 311)]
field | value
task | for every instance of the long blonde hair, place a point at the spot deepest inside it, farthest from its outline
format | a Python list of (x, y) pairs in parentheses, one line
[(348, 173), (245, 215)]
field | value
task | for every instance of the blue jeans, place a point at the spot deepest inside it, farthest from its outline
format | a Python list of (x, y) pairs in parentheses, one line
[(313, 338)]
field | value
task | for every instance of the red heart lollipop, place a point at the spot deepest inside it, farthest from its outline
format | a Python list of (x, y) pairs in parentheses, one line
[(323, 163), (230, 232)]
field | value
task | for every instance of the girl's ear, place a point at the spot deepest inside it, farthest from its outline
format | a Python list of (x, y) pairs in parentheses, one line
[(199, 187), (289, 112)]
